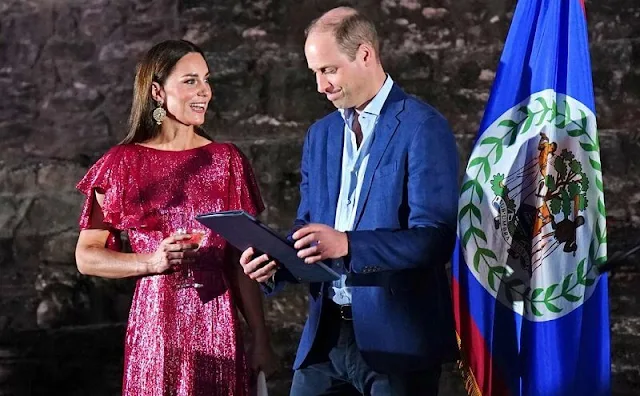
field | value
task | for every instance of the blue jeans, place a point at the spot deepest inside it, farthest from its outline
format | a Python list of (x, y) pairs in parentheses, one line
[(346, 373)]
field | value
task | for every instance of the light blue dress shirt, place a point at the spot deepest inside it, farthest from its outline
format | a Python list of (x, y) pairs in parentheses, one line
[(354, 165)]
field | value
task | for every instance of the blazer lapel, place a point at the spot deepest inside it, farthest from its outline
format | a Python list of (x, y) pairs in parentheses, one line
[(384, 131), (335, 140)]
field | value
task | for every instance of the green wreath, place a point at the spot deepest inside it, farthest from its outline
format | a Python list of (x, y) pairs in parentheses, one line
[(533, 299)]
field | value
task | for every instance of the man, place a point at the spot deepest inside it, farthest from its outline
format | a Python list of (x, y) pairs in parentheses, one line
[(378, 201)]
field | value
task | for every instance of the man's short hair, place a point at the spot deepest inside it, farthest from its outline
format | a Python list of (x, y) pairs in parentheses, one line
[(350, 32)]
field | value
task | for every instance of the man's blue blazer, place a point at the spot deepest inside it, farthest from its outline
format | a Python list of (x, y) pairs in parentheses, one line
[(403, 235)]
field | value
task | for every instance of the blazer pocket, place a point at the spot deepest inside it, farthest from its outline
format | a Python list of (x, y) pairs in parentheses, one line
[(387, 169)]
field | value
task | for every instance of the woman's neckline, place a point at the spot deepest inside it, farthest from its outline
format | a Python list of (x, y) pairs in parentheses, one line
[(174, 151)]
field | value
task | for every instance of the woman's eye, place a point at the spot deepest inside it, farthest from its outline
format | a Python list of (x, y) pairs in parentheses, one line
[(190, 81)]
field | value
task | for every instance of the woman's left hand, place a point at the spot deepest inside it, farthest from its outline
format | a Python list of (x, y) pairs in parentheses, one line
[(263, 358)]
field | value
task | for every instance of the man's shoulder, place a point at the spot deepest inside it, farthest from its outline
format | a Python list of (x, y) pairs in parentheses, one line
[(321, 127), (419, 110), (418, 116), (327, 120)]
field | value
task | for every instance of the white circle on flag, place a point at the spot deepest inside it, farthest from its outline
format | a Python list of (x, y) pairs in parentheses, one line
[(532, 224)]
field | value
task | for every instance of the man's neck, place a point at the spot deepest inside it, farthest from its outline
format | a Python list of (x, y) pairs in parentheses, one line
[(377, 82)]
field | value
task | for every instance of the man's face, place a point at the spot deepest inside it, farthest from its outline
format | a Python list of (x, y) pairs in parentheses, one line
[(338, 77)]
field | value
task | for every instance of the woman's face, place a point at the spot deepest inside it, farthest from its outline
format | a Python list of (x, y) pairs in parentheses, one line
[(187, 91)]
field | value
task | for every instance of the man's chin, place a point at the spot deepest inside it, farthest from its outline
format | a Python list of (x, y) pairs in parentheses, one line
[(339, 104)]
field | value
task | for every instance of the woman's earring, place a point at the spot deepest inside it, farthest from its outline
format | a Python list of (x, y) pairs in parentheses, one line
[(159, 113)]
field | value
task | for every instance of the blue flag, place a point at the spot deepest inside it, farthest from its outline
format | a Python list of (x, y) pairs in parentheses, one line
[(531, 306)]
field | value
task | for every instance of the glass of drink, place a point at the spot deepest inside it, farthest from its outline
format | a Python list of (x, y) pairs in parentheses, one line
[(183, 223)]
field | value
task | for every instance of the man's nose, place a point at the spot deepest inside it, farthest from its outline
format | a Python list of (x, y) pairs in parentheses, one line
[(323, 83)]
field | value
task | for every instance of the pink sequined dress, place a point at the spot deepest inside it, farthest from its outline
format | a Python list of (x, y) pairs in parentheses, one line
[(178, 341)]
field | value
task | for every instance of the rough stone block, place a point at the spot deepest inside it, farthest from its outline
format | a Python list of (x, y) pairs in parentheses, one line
[(50, 214), (66, 73)]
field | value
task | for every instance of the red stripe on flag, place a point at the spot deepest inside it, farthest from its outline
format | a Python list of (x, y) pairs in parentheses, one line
[(584, 8), (474, 349)]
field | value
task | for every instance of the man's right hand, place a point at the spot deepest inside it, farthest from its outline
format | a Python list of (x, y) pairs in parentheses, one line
[(260, 268)]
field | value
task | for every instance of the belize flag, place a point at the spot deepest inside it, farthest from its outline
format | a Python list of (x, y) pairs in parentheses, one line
[(531, 306)]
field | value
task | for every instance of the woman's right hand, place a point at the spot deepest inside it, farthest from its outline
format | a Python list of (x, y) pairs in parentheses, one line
[(171, 253)]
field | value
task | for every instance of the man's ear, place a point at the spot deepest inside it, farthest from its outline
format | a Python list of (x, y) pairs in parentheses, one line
[(365, 53), (157, 93)]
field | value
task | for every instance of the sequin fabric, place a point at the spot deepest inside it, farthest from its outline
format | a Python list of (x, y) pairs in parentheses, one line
[(178, 341)]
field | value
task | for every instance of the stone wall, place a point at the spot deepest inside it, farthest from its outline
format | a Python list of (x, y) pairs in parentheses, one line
[(66, 70)]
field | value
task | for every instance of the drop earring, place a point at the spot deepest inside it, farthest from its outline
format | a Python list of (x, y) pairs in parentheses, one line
[(159, 113)]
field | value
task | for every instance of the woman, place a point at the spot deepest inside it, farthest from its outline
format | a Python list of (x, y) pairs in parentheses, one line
[(180, 341)]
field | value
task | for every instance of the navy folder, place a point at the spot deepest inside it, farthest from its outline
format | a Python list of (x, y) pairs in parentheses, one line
[(243, 231)]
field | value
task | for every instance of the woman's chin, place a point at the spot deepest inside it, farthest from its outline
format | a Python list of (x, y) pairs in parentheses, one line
[(199, 120), (195, 122)]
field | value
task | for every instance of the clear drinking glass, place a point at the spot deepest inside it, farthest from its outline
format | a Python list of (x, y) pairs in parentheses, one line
[(182, 222)]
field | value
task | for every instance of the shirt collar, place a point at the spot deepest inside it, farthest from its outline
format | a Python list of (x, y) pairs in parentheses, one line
[(375, 106)]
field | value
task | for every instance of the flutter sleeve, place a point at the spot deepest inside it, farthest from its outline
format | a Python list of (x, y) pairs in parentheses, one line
[(244, 193), (106, 177)]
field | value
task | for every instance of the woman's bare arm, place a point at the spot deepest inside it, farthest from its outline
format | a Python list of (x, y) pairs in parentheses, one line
[(250, 304), (250, 298), (93, 258)]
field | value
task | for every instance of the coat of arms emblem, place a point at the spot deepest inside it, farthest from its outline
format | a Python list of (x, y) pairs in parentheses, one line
[(531, 219)]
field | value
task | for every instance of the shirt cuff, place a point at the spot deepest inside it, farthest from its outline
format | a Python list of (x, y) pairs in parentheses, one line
[(347, 259)]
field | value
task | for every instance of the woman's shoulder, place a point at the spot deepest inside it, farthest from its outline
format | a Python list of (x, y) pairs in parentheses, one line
[(106, 170), (119, 151), (116, 159), (227, 147), (227, 150)]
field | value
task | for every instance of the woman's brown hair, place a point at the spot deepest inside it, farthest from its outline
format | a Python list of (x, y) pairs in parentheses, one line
[(155, 66)]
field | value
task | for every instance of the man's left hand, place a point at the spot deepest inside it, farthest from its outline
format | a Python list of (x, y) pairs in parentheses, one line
[(317, 242)]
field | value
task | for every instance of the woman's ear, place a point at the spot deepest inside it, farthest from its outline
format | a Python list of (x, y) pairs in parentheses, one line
[(157, 93)]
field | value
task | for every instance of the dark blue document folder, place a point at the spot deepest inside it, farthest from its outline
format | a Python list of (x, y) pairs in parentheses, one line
[(243, 231)]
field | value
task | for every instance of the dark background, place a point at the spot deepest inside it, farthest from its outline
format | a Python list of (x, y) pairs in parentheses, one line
[(66, 71)]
